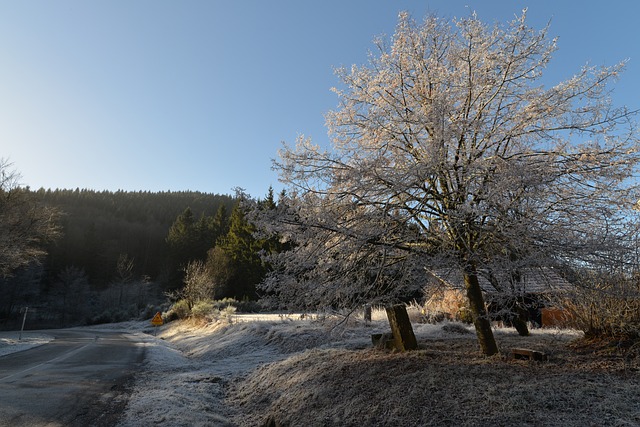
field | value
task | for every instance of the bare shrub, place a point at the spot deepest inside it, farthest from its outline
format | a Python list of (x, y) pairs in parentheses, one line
[(197, 283), (25, 226), (212, 311), (244, 306), (416, 313), (445, 304), (226, 314), (605, 307)]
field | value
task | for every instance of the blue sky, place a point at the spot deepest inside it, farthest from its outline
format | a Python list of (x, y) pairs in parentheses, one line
[(198, 95)]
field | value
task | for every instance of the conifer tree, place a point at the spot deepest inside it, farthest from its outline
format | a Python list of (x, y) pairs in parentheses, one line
[(236, 264), (221, 222), (183, 237), (243, 249)]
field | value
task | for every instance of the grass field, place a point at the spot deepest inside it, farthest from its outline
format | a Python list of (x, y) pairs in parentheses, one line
[(288, 371)]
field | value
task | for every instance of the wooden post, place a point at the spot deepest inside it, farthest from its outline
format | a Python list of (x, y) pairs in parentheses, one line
[(403, 335), (367, 313), (24, 319)]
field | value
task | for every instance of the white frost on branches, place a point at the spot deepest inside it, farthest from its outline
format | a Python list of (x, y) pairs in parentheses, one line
[(447, 148), (25, 226)]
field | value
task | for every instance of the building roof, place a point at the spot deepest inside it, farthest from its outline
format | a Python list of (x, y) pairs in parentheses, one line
[(532, 281)]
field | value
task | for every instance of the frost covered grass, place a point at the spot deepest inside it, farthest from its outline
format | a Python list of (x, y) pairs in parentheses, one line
[(190, 365), (324, 372), (446, 382)]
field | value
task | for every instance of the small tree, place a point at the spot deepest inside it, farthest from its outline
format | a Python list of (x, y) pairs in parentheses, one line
[(124, 276), (197, 283), (221, 269), (448, 148)]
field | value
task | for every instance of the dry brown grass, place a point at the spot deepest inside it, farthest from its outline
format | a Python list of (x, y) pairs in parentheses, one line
[(446, 383)]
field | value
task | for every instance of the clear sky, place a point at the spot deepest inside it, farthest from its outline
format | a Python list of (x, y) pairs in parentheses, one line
[(198, 95)]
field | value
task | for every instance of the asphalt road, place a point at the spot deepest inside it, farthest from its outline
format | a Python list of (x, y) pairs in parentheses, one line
[(81, 378)]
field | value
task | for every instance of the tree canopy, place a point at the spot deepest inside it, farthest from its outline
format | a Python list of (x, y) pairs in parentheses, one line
[(449, 149)]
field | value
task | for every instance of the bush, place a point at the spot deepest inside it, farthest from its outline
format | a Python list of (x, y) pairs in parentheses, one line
[(170, 316), (180, 309), (202, 309), (209, 310), (605, 307), (226, 314), (221, 304), (445, 304), (244, 306), (464, 315)]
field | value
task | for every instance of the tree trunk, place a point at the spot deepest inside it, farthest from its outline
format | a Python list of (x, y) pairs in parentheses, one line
[(479, 312), (521, 327), (367, 313), (403, 336), (520, 320)]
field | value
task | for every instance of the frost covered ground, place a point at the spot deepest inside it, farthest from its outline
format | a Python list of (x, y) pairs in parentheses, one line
[(190, 368), (11, 342), (291, 371)]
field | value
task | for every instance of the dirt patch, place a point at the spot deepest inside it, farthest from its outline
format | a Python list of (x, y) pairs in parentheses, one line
[(446, 382)]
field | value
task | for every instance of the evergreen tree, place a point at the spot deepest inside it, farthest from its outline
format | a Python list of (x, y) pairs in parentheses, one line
[(269, 202), (236, 265), (221, 222), (183, 238), (243, 249)]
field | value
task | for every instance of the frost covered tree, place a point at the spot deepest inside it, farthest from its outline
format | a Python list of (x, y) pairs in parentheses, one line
[(448, 148), (25, 226), (197, 283)]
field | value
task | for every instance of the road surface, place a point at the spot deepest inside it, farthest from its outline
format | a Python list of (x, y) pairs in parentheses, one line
[(78, 379)]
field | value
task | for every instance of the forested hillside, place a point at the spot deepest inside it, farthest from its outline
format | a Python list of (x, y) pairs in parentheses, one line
[(116, 253), (100, 227)]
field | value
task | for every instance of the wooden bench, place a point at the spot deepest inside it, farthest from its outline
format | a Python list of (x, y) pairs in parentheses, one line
[(526, 354)]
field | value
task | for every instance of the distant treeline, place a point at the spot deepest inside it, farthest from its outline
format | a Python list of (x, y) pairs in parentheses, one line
[(101, 227)]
